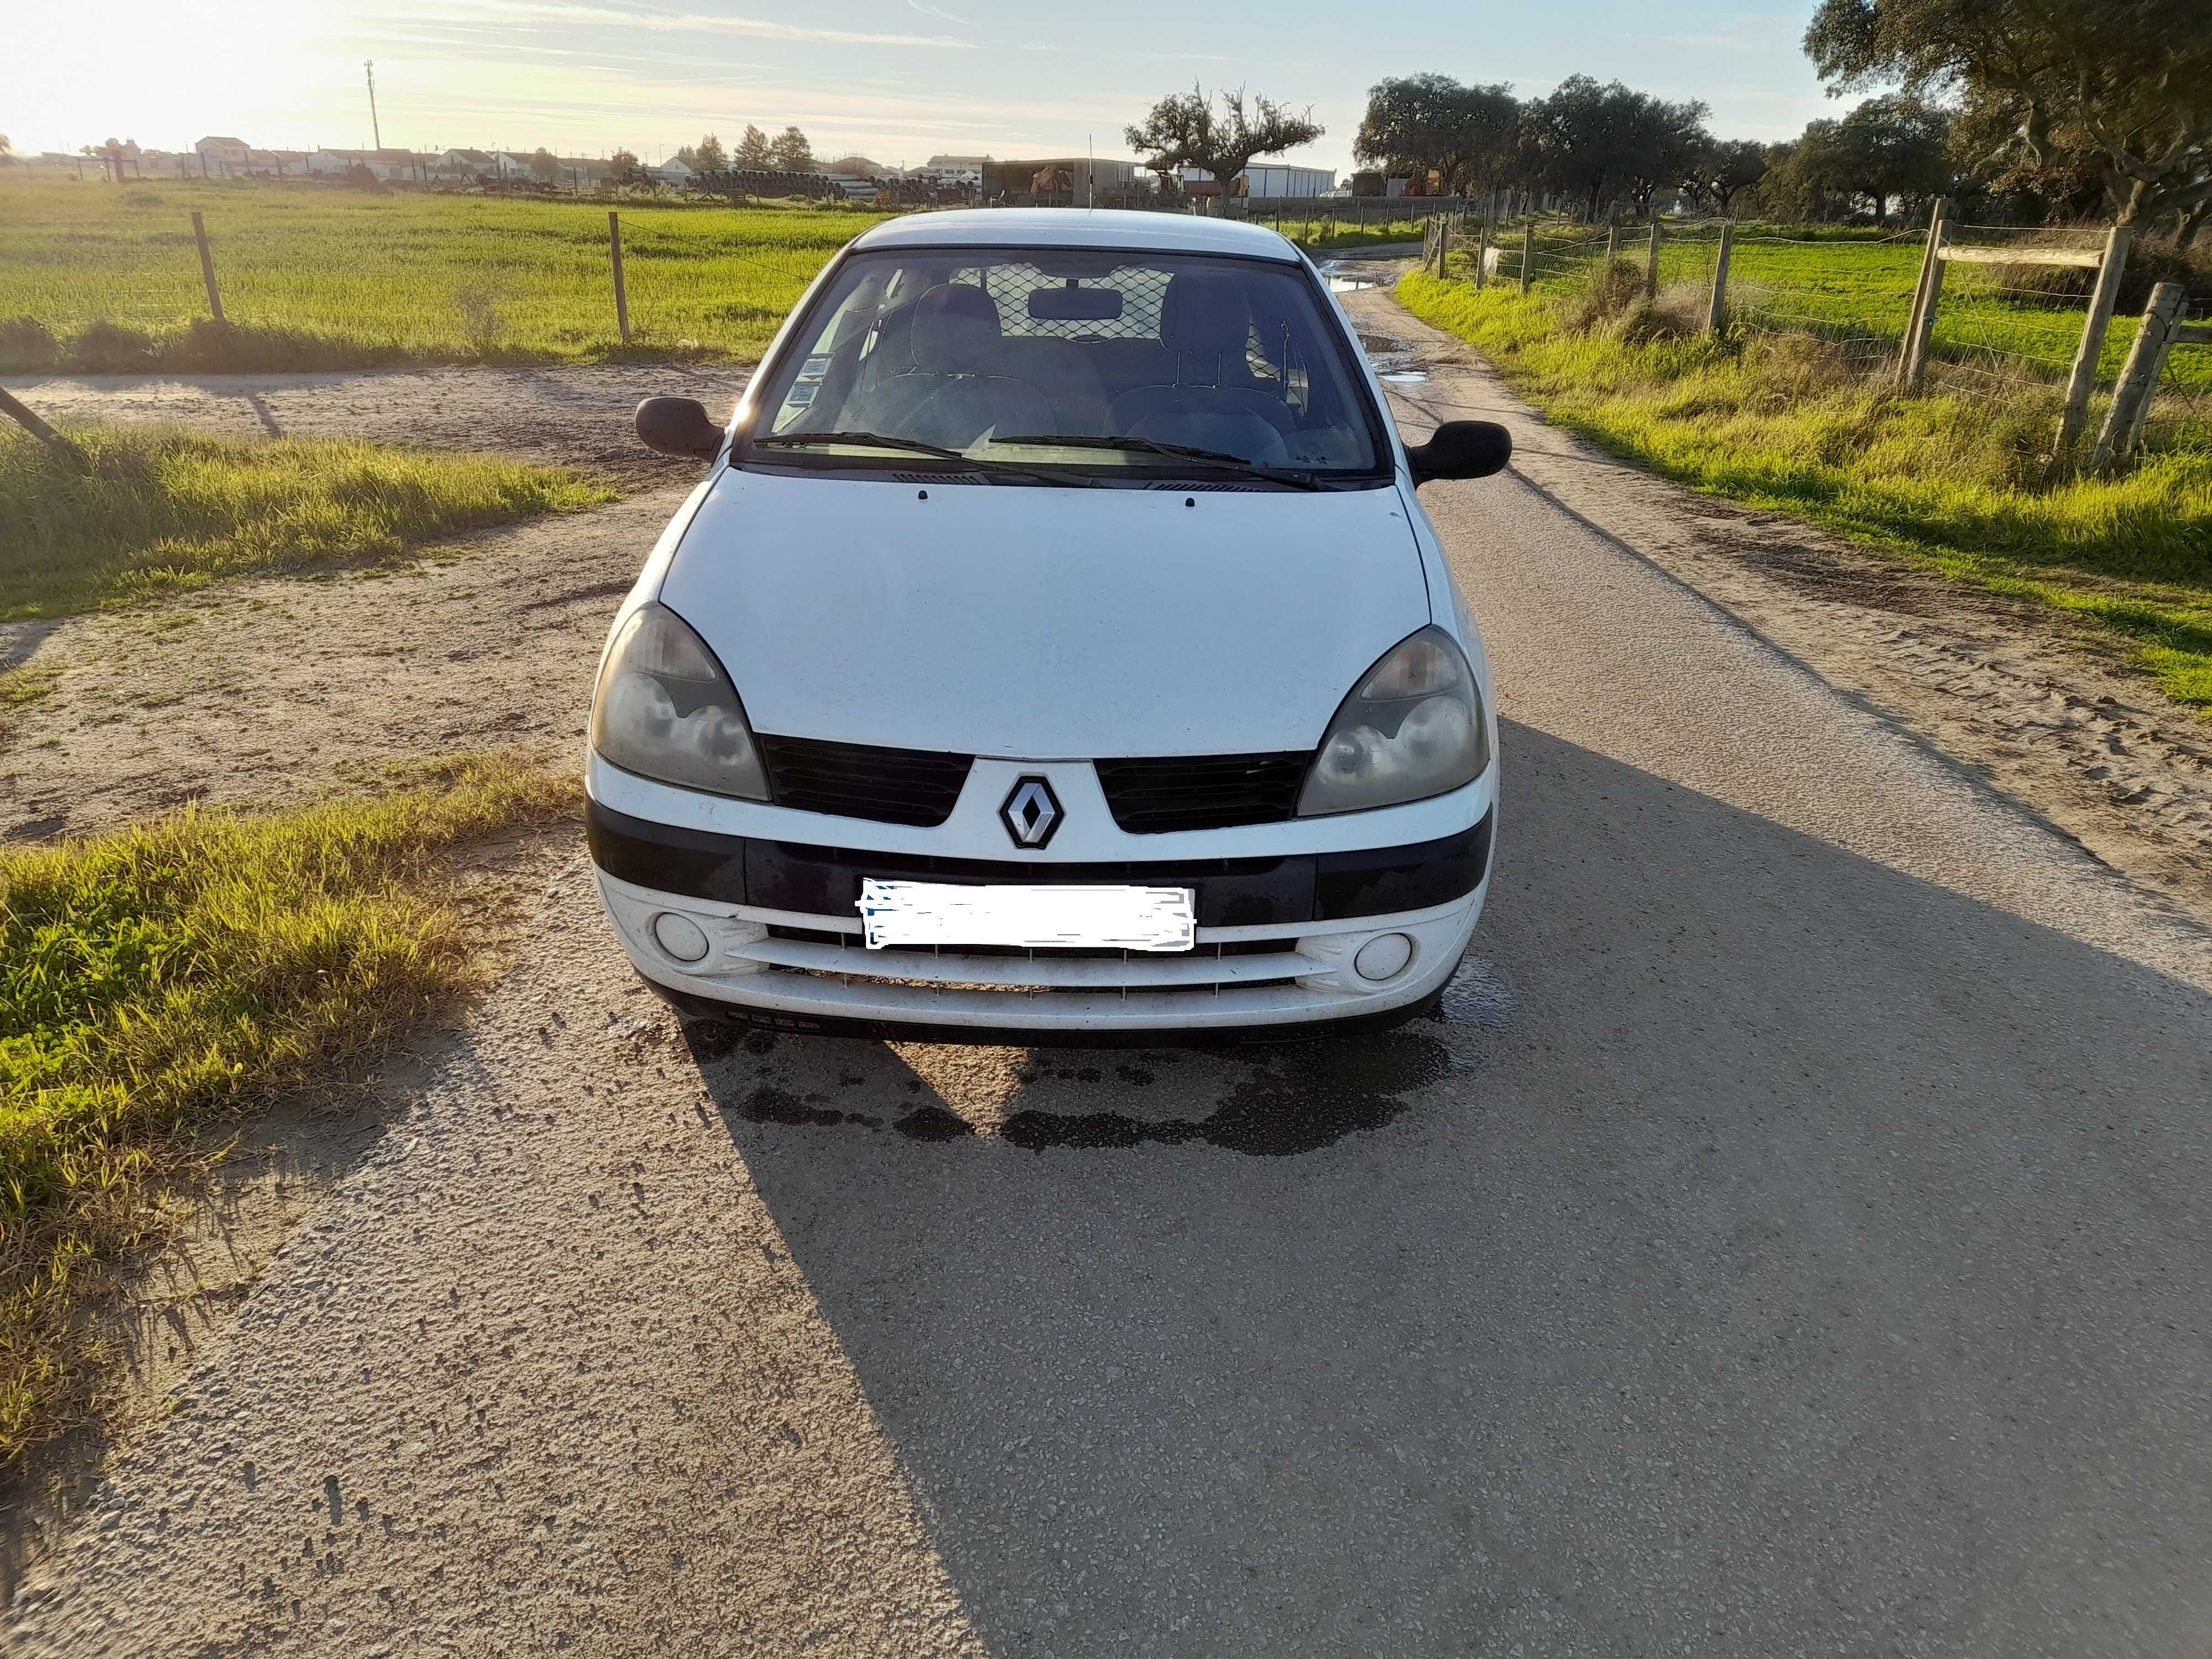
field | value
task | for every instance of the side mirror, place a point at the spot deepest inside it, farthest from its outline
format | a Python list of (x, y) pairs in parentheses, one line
[(1459, 449), (678, 426)]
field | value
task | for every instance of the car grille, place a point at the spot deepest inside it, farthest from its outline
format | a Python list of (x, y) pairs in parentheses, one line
[(854, 780), (1202, 792)]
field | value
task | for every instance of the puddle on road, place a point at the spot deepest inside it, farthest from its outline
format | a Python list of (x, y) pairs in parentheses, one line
[(1350, 284), (1477, 996), (1394, 360)]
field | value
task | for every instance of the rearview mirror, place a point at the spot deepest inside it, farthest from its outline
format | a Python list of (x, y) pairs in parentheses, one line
[(678, 426), (1461, 449), (1075, 304)]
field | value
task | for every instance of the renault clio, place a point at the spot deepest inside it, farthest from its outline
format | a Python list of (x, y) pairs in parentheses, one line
[(1056, 647)]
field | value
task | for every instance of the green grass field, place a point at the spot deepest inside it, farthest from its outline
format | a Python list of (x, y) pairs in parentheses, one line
[(1788, 423), (162, 508), (314, 276), (155, 978)]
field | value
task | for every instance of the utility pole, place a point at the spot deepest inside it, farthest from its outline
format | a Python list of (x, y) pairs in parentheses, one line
[(375, 130)]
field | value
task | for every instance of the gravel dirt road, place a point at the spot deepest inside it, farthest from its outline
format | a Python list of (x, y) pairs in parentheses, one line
[(1795, 1242)]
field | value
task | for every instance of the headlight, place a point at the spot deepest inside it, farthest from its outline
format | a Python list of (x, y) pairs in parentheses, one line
[(665, 710), (1411, 729)]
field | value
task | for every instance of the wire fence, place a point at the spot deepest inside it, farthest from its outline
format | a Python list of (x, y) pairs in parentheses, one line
[(2004, 312), (348, 282)]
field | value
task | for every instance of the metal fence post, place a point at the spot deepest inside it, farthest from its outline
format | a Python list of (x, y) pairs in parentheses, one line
[(207, 267), (1651, 263), (1717, 310), (2083, 380), (1527, 254), (2138, 385), (621, 291), (1931, 265)]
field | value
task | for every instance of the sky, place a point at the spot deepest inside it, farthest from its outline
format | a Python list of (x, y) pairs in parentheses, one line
[(895, 79)]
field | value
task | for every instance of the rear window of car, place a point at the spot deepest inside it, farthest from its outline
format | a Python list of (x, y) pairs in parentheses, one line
[(1124, 357)]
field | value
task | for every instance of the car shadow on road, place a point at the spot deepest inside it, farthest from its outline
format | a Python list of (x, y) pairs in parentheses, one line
[(1277, 1100), (1815, 1259)]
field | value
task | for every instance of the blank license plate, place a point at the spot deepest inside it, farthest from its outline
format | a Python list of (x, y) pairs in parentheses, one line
[(936, 913)]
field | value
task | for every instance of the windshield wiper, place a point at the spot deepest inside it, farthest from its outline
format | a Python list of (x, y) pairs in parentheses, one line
[(1213, 458), (915, 445), (791, 439)]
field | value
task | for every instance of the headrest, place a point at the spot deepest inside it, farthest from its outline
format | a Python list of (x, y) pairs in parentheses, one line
[(956, 328), (1205, 314)]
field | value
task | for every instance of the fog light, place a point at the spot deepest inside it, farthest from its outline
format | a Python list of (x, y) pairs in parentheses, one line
[(1384, 956), (682, 938)]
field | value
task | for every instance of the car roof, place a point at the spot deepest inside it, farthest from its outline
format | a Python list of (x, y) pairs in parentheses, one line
[(1113, 227)]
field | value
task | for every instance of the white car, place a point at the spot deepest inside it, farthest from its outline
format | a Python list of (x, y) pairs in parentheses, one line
[(1055, 648)]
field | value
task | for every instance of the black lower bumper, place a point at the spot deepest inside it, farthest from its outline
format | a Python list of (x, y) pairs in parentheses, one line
[(778, 875)]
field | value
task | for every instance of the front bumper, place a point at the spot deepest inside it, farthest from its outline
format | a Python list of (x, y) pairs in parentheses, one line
[(1277, 937)]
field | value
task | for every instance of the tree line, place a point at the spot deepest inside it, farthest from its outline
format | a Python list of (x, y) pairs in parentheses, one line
[(2046, 110), (754, 152)]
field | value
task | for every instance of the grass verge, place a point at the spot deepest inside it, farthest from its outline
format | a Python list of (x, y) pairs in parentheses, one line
[(160, 977), (1783, 424), (165, 508)]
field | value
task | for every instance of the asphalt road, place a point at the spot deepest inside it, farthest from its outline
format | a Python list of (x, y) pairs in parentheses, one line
[(1797, 1245)]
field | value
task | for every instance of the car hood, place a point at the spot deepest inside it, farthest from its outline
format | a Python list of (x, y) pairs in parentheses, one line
[(1039, 624)]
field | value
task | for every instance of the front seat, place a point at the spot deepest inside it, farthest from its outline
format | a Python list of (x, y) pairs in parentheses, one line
[(955, 393), (1215, 402)]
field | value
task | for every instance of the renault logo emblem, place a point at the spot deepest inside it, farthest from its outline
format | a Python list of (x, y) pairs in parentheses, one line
[(1032, 813)]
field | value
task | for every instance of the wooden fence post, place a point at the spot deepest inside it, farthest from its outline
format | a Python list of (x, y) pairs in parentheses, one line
[(2083, 380), (1527, 254), (1482, 256), (1612, 243), (1651, 263), (207, 267), (65, 452), (1921, 328), (1717, 310), (2138, 384), (622, 290), (1910, 350)]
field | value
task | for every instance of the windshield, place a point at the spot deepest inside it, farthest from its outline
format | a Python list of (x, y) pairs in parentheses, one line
[(1092, 362)]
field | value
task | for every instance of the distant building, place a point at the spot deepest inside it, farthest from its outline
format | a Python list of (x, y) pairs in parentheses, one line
[(1265, 180), (952, 172), (469, 162), (674, 171), (1088, 177), (225, 155), (384, 164)]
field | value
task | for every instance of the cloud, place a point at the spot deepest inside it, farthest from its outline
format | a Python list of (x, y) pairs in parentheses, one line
[(939, 13), (555, 14)]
